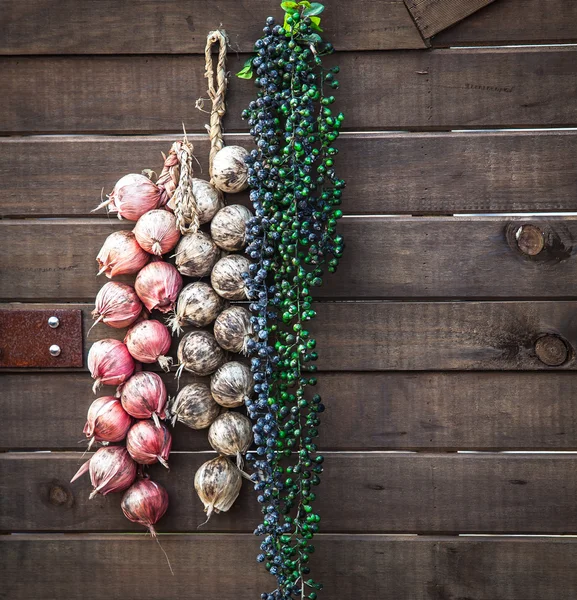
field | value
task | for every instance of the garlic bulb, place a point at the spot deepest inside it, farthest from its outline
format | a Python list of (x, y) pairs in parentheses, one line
[(156, 232), (208, 201), (217, 483), (229, 169), (227, 279), (121, 255), (233, 329), (198, 304), (231, 384), (196, 254), (231, 435), (228, 228), (199, 353), (194, 406)]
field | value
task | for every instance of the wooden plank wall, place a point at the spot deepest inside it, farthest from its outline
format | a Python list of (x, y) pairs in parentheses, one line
[(447, 348)]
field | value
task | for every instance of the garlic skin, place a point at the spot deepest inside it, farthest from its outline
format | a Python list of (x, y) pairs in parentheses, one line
[(144, 396), (117, 305), (231, 435), (156, 232), (229, 169), (208, 201), (199, 353), (226, 277), (158, 285), (111, 470), (121, 255), (148, 443), (148, 342), (145, 502), (109, 363), (233, 329), (194, 406), (198, 304), (133, 195), (196, 254), (228, 228), (217, 483), (231, 384)]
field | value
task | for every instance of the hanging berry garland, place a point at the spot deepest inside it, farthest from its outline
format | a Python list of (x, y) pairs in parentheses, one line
[(295, 193)]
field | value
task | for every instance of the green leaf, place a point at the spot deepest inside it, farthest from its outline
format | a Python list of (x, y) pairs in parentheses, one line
[(246, 71), (315, 24), (313, 38), (292, 6), (315, 9), (305, 4), (286, 26)]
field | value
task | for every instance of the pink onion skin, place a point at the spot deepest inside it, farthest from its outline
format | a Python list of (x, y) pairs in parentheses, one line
[(158, 285), (145, 502), (144, 396), (133, 195), (107, 421), (111, 470), (117, 305), (146, 443), (156, 232), (121, 255), (148, 342), (109, 363)]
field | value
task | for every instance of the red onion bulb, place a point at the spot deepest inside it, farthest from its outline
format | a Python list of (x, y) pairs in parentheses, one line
[(148, 342), (117, 305), (144, 396), (133, 195), (145, 502), (147, 443), (109, 363), (121, 255), (111, 470), (158, 285), (156, 232), (107, 421)]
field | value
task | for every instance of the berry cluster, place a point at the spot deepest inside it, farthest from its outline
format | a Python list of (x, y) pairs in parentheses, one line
[(292, 238)]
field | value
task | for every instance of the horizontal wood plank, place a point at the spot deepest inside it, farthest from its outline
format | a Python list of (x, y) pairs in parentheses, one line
[(361, 492), (401, 257), (392, 411), (514, 22), (441, 89), (386, 567), (416, 336), (396, 173), (132, 27), (432, 16)]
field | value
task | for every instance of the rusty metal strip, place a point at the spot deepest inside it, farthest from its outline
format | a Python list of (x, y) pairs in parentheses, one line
[(28, 340)]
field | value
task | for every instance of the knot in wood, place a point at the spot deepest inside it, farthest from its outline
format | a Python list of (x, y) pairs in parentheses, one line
[(58, 495), (551, 350), (530, 239)]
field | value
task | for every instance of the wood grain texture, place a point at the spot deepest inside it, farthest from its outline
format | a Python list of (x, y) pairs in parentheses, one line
[(173, 27), (386, 567), (370, 492), (401, 257), (514, 22), (432, 16), (396, 173), (441, 89), (416, 336), (392, 411)]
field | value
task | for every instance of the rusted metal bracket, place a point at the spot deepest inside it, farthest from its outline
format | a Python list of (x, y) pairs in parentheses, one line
[(40, 338)]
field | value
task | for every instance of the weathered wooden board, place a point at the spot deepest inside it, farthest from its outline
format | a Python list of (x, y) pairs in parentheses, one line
[(401, 257), (365, 411), (436, 336), (362, 566), (133, 27), (515, 22), (441, 89), (361, 492), (432, 16), (393, 173)]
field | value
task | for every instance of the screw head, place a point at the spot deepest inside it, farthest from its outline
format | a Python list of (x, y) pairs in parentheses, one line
[(54, 350), (53, 322)]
